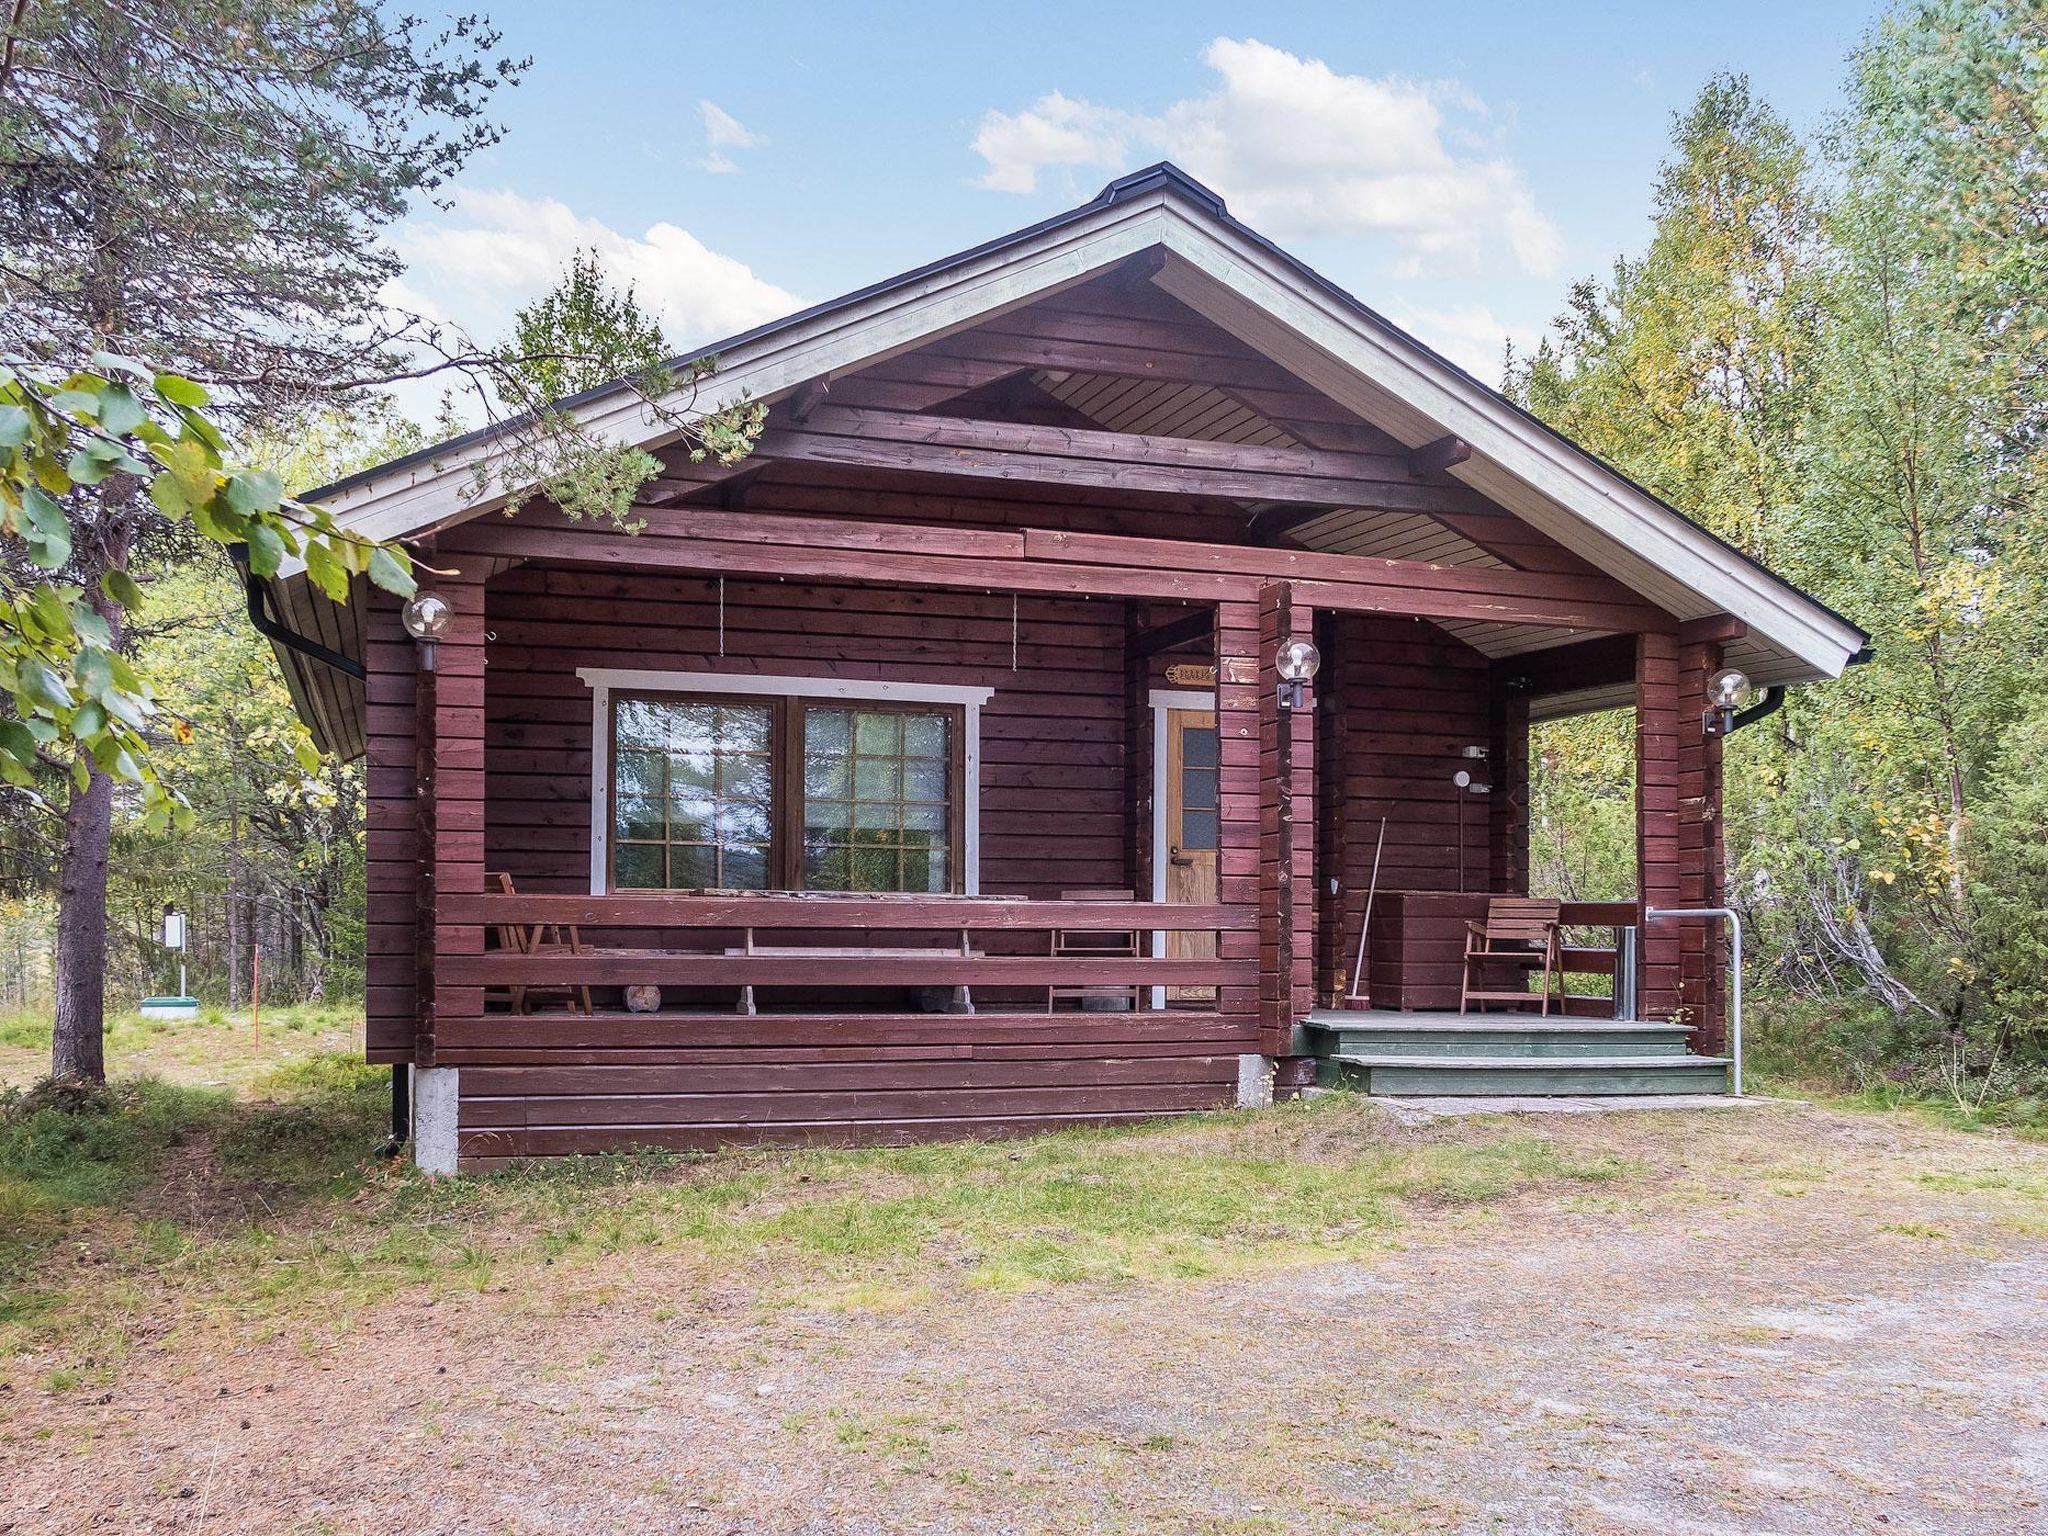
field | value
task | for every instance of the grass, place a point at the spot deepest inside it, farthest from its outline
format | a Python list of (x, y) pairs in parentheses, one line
[(198, 1208), (217, 1049)]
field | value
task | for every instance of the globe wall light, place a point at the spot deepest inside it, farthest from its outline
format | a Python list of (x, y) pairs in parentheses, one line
[(1727, 691), (1297, 662), (426, 618)]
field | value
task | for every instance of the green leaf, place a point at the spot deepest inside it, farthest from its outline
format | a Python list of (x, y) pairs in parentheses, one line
[(92, 629), (89, 719), (54, 614), (121, 587), (392, 570), (180, 390), (120, 412), (14, 425), (45, 689), (17, 743), (48, 534), (255, 491), (76, 402), (116, 363), (266, 549), (327, 573)]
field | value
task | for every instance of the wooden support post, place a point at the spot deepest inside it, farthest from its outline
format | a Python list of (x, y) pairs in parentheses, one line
[(1238, 804), (1287, 903), (1507, 770), (1678, 831), (450, 744)]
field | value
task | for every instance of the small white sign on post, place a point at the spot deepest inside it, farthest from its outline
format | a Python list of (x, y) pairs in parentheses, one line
[(174, 930)]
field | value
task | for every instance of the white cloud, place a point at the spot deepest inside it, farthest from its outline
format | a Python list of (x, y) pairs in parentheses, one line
[(1300, 150), (723, 131), (1470, 335), (491, 252)]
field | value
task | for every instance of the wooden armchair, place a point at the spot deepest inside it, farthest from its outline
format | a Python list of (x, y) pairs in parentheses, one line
[(1518, 931), (538, 939)]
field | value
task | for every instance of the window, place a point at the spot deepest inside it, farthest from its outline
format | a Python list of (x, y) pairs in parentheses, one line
[(878, 799), (743, 793), (692, 794)]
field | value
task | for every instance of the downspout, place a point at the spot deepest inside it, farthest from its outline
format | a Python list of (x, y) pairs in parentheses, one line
[(271, 629)]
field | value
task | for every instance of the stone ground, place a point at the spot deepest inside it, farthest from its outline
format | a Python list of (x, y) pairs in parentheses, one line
[(1783, 1320)]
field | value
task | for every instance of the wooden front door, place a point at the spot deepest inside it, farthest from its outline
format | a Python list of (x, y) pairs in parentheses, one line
[(1192, 831)]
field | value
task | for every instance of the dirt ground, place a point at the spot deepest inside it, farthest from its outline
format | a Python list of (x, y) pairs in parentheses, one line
[(1781, 1320)]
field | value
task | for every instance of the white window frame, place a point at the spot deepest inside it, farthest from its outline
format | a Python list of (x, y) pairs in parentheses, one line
[(1164, 700), (603, 682)]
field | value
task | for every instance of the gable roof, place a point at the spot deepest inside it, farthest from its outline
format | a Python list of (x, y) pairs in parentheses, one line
[(1249, 287)]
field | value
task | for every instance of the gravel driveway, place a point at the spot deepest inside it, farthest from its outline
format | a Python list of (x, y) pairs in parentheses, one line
[(1782, 1320)]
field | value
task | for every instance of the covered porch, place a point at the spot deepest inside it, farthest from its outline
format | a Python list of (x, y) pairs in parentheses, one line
[(1149, 868)]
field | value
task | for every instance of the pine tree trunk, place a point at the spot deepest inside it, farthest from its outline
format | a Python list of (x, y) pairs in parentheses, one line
[(78, 1042)]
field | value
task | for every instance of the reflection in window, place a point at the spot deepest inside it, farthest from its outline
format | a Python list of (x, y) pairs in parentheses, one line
[(692, 795), (877, 799), (1200, 754)]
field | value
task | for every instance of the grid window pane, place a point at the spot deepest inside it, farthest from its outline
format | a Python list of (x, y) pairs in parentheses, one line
[(878, 790), (692, 785)]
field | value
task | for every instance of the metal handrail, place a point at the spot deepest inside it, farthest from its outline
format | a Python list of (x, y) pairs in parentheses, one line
[(1734, 920)]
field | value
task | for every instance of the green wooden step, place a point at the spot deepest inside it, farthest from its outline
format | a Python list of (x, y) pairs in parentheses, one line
[(1359, 1034), (1479, 1076)]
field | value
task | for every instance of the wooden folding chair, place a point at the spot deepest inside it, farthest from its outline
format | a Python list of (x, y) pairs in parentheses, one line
[(1096, 944), (1518, 931), (540, 939)]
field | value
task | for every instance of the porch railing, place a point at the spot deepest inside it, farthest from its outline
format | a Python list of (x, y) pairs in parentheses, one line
[(788, 940)]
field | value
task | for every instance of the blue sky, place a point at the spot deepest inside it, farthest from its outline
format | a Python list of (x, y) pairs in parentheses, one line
[(1454, 166)]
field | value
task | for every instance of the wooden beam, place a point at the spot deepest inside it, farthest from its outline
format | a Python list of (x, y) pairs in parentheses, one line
[(1434, 458), (1167, 637), (951, 445), (808, 396), (1714, 626), (1599, 663), (1140, 269), (707, 541)]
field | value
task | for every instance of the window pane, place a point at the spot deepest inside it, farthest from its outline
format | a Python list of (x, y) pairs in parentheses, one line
[(1198, 829), (640, 819), (827, 730), (878, 734), (1198, 789), (743, 728), (887, 814), (743, 823), (692, 866), (877, 779), (825, 776), (924, 781), (875, 869), (932, 817), (925, 736), (745, 778), (746, 867), (642, 723), (825, 869), (1198, 748), (639, 773), (694, 770), (638, 867)]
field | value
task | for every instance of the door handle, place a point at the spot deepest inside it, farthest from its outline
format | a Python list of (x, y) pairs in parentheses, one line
[(1175, 857)]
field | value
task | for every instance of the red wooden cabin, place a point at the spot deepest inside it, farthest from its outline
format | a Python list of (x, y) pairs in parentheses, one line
[(945, 732)]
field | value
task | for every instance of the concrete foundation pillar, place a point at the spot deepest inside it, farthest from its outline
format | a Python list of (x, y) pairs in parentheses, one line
[(1254, 1082), (436, 1098)]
